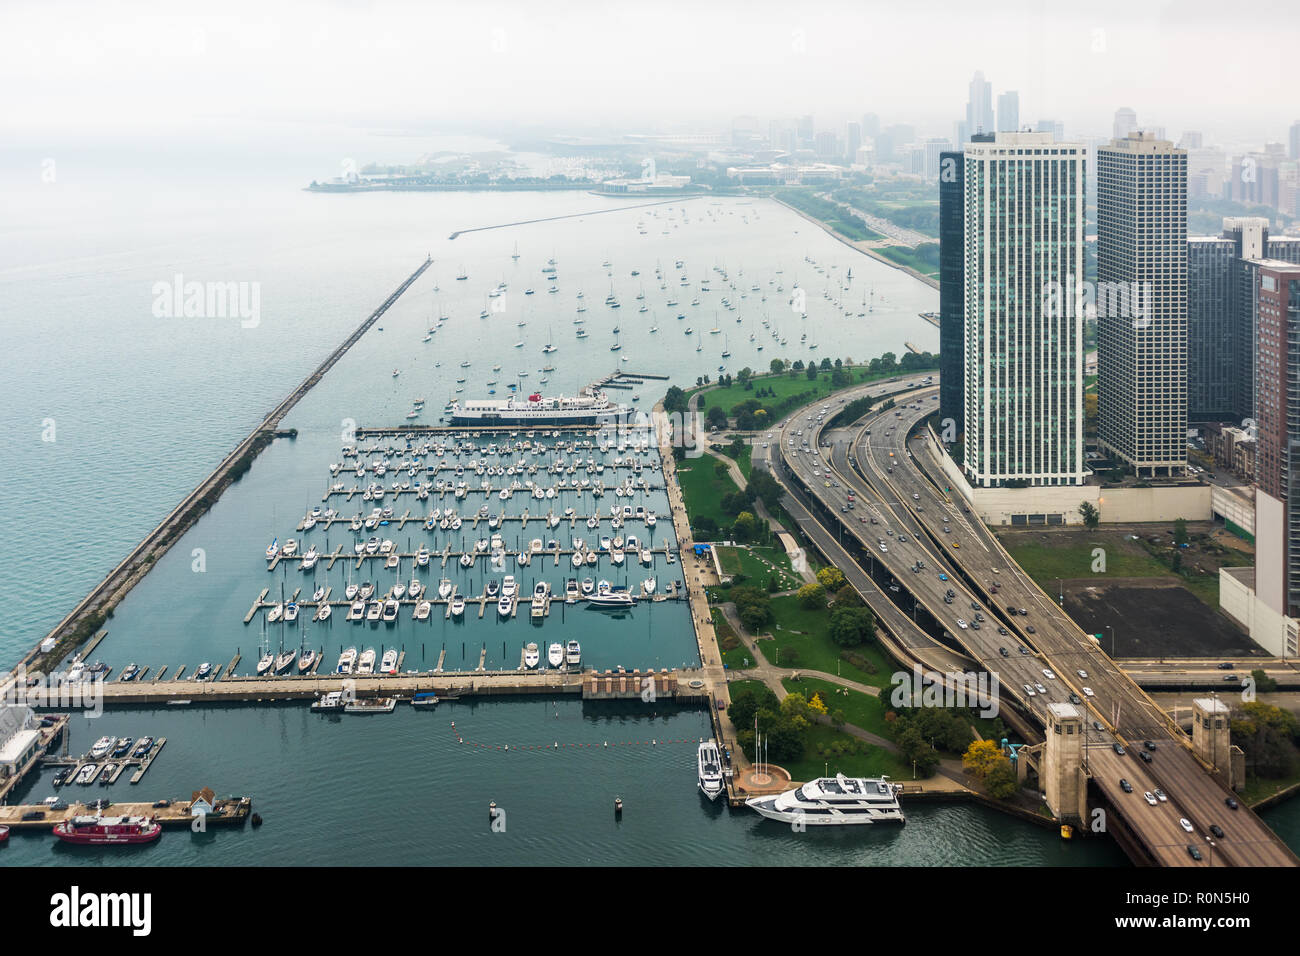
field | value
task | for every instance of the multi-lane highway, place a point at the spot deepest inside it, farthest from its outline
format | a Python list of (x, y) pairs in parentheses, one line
[(869, 493)]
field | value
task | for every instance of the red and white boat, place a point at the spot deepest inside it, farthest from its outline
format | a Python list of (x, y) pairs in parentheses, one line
[(105, 830), (4, 834)]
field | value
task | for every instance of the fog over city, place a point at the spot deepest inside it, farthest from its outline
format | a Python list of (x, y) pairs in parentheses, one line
[(141, 66)]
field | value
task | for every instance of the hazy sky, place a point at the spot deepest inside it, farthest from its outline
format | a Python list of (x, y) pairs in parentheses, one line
[(96, 66)]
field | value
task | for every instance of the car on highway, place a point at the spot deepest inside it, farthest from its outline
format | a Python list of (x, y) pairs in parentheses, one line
[(1160, 795), (1216, 830), (947, 530), (1146, 757), (1229, 677), (1082, 673), (975, 625), (1047, 672), (1023, 649), (916, 497), (1029, 691), (1149, 797), (1076, 699), (956, 544), (1185, 823), (1022, 612), (1119, 749), (1230, 803), (884, 549), (1031, 629), (1225, 666), (1003, 651), (1194, 853), (1003, 631), (1087, 692), (962, 623), (1041, 688), (942, 576), (1124, 784), (1096, 724), (1149, 744), (902, 539)]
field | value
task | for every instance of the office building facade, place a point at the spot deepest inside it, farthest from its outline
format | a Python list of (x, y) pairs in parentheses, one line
[(1141, 302), (1023, 378)]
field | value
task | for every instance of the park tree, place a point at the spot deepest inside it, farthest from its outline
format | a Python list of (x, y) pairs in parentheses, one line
[(748, 701), (817, 705), (746, 527), (1180, 532), (832, 579), (812, 597), (1000, 781), (737, 447), (811, 372), (795, 705), (675, 400), (744, 375), (916, 750), (980, 757), (852, 626), (753, 606), (777, 366), (716, 418), (1090, 515)]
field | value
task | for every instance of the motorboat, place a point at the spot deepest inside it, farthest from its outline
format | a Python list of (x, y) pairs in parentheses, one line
[(102, 747), (444, 589), (458, 605), (504, 606), (388, 665), (347, 661), (366, 662), (555, 655), (711, 780), (573, 654), (531, 656), (834, 801)]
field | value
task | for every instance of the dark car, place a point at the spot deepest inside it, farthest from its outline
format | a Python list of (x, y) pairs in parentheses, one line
[(1003, 652), (1146, 757), (1031, 629), (1216, 830), (1195, 853), (1022, 612), (1225, 666), (1230, 803), (1124, 784), (1023, 649), (1002, 631), (1119, 749), (1075, 699), (1011, 609), (1150, 745)]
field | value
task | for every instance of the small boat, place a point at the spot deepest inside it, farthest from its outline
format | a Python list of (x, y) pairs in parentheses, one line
[(103, 831), (389, 663), (347, 661), (531, 656), (142, 748), (458, 606), (425, 698), (555, 655), (371, 705), (366, 662), (204, 671), (332, 701), (709, 760), (573, 654)]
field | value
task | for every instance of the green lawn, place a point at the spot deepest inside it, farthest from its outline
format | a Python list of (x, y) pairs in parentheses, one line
[(860, 710), (1072, 557), (702, 490), (807, 632), (737, 658), (742, 460), (759, 564), (924, 258), (873, 762)]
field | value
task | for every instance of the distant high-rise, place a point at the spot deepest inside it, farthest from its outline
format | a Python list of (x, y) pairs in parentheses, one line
[(854, 140), (1141, 302), (870, 125), (979, 106), (1023, 228), (1293, 144), (1055, 127), (1191, 140), (1009, 112), (1126, 121)]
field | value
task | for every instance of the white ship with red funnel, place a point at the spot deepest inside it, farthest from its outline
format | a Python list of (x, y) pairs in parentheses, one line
[(589, 407)]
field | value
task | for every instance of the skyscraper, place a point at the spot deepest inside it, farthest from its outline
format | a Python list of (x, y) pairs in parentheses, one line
[(1126, 121), (1293, 144), (979, 106), (1009, 112), (951, 294), (1023, 227), (1141, 301)]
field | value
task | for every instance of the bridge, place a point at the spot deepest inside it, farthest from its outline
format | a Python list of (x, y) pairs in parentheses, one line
[(951, 585)]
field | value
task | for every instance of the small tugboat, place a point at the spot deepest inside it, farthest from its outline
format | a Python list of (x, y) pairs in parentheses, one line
[(100, 830)]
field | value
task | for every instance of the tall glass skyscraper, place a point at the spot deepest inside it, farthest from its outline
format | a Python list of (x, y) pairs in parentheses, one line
[(1024, 219)]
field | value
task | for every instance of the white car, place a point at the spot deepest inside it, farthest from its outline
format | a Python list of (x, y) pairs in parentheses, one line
[(1029, 691), (962, 623), (1185, 823), (1087, 692), (1083, 674), (884, 549), (1048, 673), (1150, 798)]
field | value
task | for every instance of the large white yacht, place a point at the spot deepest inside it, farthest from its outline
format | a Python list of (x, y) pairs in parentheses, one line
[(710, 761), (834, 801)]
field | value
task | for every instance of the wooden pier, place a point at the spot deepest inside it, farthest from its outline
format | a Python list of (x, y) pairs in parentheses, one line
[(172, 814)]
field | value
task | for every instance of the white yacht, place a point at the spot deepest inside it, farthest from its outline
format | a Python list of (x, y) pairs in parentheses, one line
[(710, 769), (555, 655), (573, 654), (347, 661), (835, 801), (366, 663), (531, 656)]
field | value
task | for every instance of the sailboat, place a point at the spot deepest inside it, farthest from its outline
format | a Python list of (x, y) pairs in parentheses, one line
[(266, 659), (306, 655), (515, 254), (284, 659), (550, 345), (616, 346), (726, 351)]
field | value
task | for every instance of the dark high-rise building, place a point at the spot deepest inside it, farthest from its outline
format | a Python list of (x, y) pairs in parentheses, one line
[(1141, 301), (1211, 334)]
